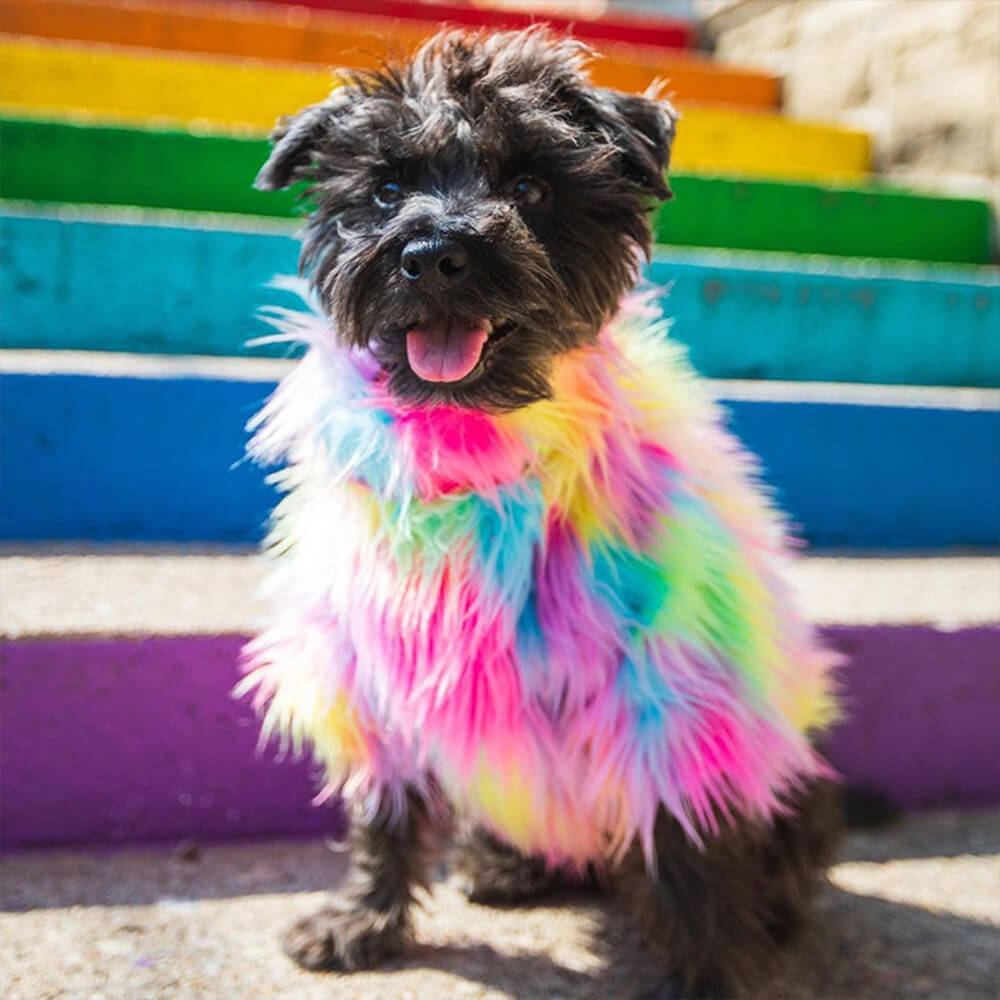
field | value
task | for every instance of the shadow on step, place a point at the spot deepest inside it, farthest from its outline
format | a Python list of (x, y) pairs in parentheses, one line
[(858, 946)]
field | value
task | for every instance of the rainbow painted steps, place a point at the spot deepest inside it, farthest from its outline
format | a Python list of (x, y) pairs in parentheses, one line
[(164, 752), (149, 448), (173, 285), (331, 39), (47, 161), (137, 87)]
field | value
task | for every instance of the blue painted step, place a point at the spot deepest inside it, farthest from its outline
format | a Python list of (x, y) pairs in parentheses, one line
[(120, 458), (176, 289)]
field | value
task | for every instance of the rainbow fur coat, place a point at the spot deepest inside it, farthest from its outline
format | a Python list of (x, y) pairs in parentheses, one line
[(570, 615)]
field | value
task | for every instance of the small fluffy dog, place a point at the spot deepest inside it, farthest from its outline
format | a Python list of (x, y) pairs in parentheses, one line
[(525, 582)]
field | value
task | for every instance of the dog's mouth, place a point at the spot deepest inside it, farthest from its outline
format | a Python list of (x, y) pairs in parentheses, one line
[(450, 349)]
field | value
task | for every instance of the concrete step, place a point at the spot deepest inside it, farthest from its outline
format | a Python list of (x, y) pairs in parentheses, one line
[(119, 725), (182, 590), (911, 911), (157, 453), (361, 38), (48, 161), (173, 283), (63, 80)]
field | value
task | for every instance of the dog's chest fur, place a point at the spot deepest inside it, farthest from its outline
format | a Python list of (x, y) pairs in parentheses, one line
[(568, 615)]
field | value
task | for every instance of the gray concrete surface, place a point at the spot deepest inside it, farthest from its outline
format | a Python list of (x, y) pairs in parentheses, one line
[(912, 911), (197, 591)]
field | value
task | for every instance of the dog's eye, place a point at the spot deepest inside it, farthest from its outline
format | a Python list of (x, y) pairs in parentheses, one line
[(529, 190), (388, 194)]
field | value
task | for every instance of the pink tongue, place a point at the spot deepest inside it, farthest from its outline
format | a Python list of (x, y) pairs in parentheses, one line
[(445, 350)]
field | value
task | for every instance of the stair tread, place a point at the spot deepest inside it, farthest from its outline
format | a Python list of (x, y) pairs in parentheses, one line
[(50, 591), (119, 364), (911, 907)]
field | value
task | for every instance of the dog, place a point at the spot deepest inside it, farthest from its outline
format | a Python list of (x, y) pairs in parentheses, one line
[(526, 586)]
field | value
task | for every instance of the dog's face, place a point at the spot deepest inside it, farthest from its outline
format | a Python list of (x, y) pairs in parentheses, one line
[(476, 212)]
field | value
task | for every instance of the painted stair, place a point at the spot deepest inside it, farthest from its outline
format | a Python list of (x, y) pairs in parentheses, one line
[(151, 448), (362, 38), (96, 164), (188, 284), (119, 724), (661, 31)]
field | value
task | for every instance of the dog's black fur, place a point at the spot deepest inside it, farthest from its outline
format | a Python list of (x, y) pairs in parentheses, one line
[(499, 146)]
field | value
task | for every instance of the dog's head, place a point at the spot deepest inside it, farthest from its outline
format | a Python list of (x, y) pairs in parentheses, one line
[(477, 211)]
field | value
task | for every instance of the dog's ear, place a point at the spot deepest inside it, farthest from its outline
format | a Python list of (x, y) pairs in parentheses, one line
[(294, 140), (643, 128)]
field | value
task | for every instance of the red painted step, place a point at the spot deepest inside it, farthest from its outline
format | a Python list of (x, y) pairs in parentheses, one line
[(668, 33)]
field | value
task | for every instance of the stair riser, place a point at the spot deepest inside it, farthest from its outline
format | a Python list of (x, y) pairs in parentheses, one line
[(661, 31), (111, 741), (128, 740), (133, 459), (167, 289), (802, 218), (58, 162)]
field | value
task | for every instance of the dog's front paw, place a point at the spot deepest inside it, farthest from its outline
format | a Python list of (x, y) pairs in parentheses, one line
[(342, 939)]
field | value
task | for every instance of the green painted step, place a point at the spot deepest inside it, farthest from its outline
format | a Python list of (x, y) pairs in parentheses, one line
[(59, 162), (872, 221), (106, 165)]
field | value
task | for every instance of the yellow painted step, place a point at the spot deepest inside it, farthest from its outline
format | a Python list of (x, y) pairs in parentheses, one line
[(132, 86), (332, 38)]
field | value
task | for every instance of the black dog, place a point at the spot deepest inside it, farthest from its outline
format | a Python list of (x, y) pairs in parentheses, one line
[(479, 213)]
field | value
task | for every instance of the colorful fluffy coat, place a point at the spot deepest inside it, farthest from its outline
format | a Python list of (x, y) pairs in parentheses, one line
[(571, 614)]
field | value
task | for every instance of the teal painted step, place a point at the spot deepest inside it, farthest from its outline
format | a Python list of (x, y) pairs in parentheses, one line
[(778, 317), (59, 162), (115, 286)]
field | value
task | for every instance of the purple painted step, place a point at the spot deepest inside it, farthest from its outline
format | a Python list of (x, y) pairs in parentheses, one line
[(108, 741), (923, 706)]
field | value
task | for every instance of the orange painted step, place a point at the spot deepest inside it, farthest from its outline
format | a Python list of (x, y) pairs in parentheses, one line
[(301, 35)]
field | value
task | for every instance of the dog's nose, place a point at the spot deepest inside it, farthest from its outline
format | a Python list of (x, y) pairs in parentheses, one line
[(434, 262)]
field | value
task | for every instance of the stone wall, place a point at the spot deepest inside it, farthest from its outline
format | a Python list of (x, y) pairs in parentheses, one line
[(922, 76)]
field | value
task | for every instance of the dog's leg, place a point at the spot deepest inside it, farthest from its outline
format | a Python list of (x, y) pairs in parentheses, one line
[(717, 915), (369, 921), (495, 872)]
